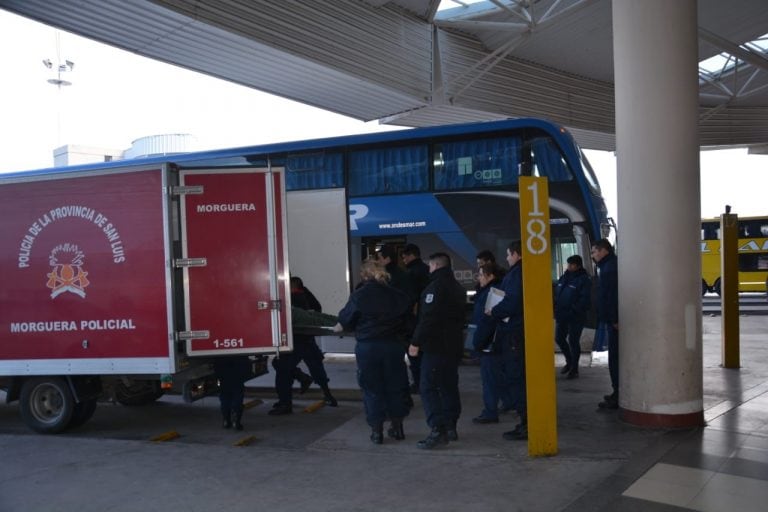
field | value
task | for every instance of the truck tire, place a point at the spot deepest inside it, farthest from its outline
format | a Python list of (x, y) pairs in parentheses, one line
[(83, 412), (716, 287), (704, 288), (138, 392), (46, 404)]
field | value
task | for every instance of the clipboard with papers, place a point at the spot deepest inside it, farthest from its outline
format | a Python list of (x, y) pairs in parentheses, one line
[(494, 297)]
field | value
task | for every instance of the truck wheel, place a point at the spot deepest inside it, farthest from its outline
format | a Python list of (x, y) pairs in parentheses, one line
[(137, 392), (46, 404), (716, 287), (704, 288), (83, 412)]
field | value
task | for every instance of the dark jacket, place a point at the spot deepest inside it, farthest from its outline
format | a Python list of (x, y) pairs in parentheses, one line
[(399, 278), (232, 371), (440, 326), (376, 311), (418, 271), (572, 296), (306, 300), (511, 306), (608, 290), (485, 326)]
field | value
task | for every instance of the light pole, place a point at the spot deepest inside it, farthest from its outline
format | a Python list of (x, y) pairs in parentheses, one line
[(60, 68)]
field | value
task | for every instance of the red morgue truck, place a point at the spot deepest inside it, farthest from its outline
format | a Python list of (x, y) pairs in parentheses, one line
[(129, 281)]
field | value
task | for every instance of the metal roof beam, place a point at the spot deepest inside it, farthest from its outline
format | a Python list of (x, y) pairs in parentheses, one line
[(469, 26), (747, 55)]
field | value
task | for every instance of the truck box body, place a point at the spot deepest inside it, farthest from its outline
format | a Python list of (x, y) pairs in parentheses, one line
[(140, 271)]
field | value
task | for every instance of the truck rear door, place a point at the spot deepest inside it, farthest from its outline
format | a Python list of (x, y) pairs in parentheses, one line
[(235, 262)]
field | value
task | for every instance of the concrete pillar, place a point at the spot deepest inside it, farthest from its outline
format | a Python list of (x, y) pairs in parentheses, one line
[(660, 358)]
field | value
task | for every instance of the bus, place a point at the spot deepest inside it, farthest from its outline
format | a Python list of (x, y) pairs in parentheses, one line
[(753, 255), (450, 188)]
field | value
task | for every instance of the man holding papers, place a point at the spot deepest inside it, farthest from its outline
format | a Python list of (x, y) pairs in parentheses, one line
[(508, 314)]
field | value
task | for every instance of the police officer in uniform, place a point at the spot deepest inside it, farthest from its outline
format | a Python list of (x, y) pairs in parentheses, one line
[(304, 349), (439, 336), (418, 272), (608, 312), (508, 314), (379, 314), (572, 301), (232, 373)]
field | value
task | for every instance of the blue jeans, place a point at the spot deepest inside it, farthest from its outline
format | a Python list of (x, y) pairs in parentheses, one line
[(439, 388), (382, 375), (570, 347), (491, 371)]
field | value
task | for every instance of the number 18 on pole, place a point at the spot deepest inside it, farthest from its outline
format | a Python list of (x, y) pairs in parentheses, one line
[(539, 326)]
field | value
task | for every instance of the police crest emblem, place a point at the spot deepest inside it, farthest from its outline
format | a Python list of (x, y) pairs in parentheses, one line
[(67, 274)]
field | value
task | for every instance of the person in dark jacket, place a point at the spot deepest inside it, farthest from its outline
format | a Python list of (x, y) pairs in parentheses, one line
[(418, 272), (379, 315), (232, 372), (439, 336), (510, 332), (302, 298), (483, 257), (304, 349), (608, 312), (489, 276), (398, 278), (572, 300)]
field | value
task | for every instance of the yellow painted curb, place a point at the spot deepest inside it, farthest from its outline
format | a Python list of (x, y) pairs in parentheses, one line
[(167, 436), (245, 441), (253, 403), (315, 406)]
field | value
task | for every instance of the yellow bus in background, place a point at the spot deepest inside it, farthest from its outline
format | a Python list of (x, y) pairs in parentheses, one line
[(753, 255)]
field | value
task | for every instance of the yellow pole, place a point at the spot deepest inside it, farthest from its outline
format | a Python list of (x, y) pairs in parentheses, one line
[(729, 287), (537, 301)]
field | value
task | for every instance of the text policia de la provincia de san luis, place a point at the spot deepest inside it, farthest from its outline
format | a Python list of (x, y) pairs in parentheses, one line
[(100, 220)]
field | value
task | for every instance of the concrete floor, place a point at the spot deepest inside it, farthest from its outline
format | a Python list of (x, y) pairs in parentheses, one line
[(323, 460)]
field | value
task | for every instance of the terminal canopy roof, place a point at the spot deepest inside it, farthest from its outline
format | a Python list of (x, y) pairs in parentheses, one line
[(427, 62)]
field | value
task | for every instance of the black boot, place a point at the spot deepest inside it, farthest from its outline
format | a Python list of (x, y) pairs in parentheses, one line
[(438, 437), (227, 423), (451, 432), (328, 397), (520, 433), (377, 434), (238, 416), (305, 381), (395, 430), (281, 408)]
